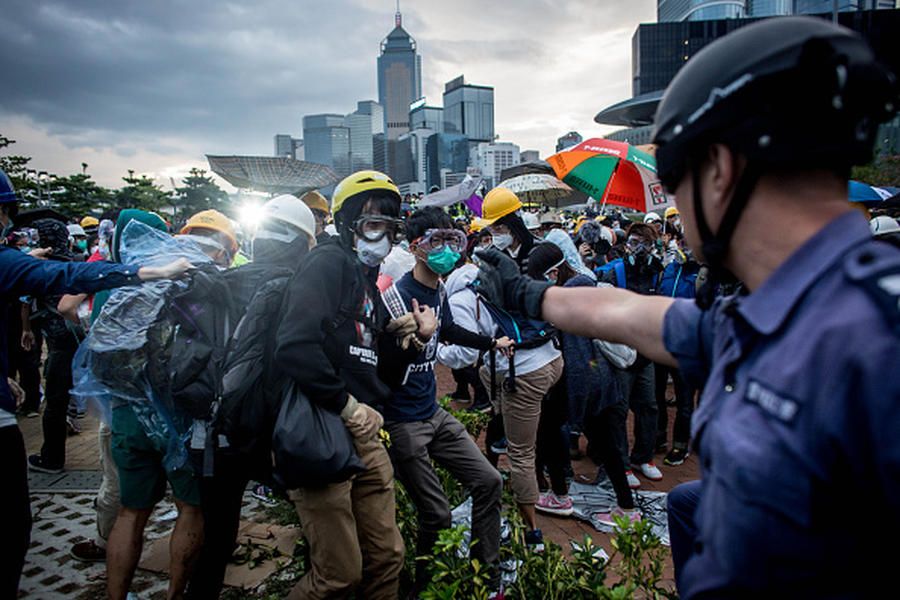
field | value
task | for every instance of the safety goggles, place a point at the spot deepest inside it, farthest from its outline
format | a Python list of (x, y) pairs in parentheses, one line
[(635, 244), (435, 239), (373, 228)]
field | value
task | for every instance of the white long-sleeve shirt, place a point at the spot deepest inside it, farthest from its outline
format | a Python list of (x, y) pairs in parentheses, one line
[(469, 314)]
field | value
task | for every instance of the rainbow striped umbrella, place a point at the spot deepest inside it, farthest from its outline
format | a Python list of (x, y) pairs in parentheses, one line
[(612, 173)]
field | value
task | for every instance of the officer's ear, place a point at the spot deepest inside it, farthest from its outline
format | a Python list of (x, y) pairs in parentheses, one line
[(719, 174)]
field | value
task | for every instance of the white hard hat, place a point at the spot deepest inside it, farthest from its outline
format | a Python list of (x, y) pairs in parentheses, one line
[(290, 210), (883, 225), (652, 217), (75, 229), (531, 220)]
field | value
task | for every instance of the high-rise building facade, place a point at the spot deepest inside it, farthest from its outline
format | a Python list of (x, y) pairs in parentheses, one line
[(284, 145), (491, 158), (327, 142), (705, 10), (699, 10), (448, 152), (422, 116), (573, 138), (529, 156), (469, 110), (399, 79)]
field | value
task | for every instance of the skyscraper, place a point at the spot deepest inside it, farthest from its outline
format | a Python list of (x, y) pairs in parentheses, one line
[(706, 10), (284, 145), (469, 110), (399, 78), (573, 138), (699, 10), (422, 116), (327, 142), (492, 158)]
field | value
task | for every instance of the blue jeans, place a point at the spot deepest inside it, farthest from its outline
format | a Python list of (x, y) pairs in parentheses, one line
[(681, 506)]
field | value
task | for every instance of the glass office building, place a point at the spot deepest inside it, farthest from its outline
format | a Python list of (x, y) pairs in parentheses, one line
[(327, 142), (445, 151), (469, 110)]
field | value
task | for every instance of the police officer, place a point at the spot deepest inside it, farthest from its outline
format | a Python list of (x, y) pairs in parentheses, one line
[(798, 429)]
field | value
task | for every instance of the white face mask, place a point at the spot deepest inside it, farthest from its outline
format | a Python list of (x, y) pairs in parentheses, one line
[(372, 253), (502, 241)]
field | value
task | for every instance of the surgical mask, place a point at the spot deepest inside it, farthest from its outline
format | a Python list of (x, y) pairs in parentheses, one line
[(442, 261), (502, 241), (25, 250), (372, 254), (81, 245)]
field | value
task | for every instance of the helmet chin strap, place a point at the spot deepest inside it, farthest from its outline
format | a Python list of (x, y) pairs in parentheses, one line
[(715, 245)]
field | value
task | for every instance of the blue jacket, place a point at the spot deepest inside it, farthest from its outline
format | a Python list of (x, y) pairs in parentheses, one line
[(21, 274), (679, 280)]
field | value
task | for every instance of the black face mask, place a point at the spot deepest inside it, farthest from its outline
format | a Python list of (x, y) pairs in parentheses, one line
[(273, 252)]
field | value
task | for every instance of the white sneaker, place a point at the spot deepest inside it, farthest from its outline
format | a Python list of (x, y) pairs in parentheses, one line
[(633, 482), (649, 470)]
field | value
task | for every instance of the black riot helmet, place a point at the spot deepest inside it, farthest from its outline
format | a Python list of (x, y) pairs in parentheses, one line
[(788, 94)]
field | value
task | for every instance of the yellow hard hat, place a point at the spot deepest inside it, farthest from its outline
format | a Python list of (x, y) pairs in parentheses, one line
[(315, 201), (477, 225), (671, 212), (579, 222), (214, 220), (89, 222), (498, 203), (360, 183)]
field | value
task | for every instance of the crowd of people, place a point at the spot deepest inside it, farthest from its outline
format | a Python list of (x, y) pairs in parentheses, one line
[(318, 377)]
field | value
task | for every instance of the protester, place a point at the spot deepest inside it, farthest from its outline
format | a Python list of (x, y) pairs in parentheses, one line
[(320, 210), (552, 447), (23, 275), (106, 503), (639, 273), (214, 233), (501, 209), (327, 342), (421, 431), (799, 416), (283, 238)]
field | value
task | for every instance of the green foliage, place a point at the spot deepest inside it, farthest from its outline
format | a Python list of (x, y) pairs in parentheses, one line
[(883, 171), (142, 193), (454, 575), (199, 192), (474, 421), (78, 195)]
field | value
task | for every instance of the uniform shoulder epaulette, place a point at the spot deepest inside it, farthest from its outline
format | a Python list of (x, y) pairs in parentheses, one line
[(878, 273)]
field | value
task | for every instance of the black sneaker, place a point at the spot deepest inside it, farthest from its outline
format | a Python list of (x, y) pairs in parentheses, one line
[(534, 539), (35, 463), (676, 457), (88, 551)]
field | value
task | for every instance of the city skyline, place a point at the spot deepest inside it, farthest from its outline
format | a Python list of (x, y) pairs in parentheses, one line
[(141, 89)]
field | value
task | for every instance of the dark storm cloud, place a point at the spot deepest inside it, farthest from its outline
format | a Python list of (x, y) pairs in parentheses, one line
[(223, 71)]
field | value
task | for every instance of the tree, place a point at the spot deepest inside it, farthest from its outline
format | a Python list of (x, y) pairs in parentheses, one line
[(199, 192), (141, 193), (16, 166), (78, 195)]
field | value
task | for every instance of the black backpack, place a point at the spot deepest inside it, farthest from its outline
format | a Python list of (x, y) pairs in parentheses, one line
[(251, 388)]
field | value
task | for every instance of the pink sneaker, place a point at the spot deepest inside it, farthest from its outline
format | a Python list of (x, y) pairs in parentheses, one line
[(550, 503), (607, 518)]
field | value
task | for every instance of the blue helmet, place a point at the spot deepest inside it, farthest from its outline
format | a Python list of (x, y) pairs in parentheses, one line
[(7, 191)]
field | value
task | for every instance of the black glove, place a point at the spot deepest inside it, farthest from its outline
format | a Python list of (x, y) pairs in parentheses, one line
[(519, 292)]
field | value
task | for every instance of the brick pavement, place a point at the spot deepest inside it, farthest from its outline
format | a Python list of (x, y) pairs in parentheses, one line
[(75, 509)]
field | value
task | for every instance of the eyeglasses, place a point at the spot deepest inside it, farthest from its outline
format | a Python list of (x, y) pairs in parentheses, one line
[(435, 239), (374, 228)]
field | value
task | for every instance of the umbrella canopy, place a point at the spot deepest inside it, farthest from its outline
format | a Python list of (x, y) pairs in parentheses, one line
[(454, 194), (864, 193), (273, 174), (536, 166), (613, 173), (537, 188)]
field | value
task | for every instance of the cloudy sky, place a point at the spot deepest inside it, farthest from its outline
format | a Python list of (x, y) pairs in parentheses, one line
[(155, 85)]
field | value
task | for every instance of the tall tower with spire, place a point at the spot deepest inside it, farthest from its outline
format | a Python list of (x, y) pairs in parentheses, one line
[(399, 78)]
